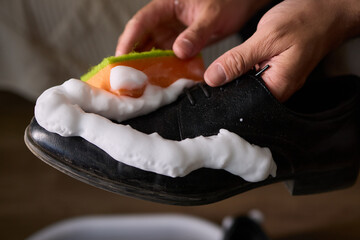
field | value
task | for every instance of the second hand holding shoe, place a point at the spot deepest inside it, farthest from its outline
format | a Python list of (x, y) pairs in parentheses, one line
[(314, 140)]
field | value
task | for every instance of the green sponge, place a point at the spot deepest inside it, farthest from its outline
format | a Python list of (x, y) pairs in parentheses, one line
[(126, 57)]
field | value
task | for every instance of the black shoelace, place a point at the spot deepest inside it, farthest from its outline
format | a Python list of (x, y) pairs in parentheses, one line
[(191, 99)]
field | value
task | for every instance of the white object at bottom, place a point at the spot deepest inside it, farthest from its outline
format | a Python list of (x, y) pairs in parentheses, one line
[(132, 227)]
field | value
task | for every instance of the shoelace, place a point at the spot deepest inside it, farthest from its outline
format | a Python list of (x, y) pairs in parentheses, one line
[(206, 92), (190, 97)]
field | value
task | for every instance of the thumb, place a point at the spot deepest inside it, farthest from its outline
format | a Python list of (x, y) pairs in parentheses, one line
[(193, 38), (239, 60)]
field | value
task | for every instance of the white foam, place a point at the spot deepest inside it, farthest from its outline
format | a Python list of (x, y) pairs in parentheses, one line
[(123, 77), (77, 109)]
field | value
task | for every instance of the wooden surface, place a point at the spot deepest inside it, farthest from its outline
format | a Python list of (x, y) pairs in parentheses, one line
[(34, 195)]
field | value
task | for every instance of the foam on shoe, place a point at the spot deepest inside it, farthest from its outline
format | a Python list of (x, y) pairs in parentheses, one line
[(78, 109)]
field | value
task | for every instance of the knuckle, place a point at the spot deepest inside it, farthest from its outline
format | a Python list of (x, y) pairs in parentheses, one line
[(235, 64)]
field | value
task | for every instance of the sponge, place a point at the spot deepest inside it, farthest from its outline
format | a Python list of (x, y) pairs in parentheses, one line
[(162, 68)]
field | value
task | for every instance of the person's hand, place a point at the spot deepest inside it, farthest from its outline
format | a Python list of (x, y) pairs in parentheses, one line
[(186, 26), (292, 38)]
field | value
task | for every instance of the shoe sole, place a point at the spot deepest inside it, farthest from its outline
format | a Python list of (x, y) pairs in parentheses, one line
[(166, 195), (80, 175), (309, 183)]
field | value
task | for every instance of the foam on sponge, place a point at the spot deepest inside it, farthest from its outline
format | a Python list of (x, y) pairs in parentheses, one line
[(162, 68)]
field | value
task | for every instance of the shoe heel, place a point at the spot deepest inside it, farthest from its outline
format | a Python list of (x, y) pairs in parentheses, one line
[(323, 182)]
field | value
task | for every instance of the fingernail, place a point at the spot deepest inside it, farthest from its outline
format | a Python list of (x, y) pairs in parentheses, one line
[(216, 75), (187, 48)]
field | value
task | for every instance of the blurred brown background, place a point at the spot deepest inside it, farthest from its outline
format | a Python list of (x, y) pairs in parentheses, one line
[(45, 42)]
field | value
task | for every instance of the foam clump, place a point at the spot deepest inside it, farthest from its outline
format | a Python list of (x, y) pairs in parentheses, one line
[(122, 77)]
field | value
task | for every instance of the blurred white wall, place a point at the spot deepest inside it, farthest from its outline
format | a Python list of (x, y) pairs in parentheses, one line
[(45, 42)]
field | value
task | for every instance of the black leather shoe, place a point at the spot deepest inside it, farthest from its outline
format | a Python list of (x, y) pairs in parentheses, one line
[(314, 139)]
